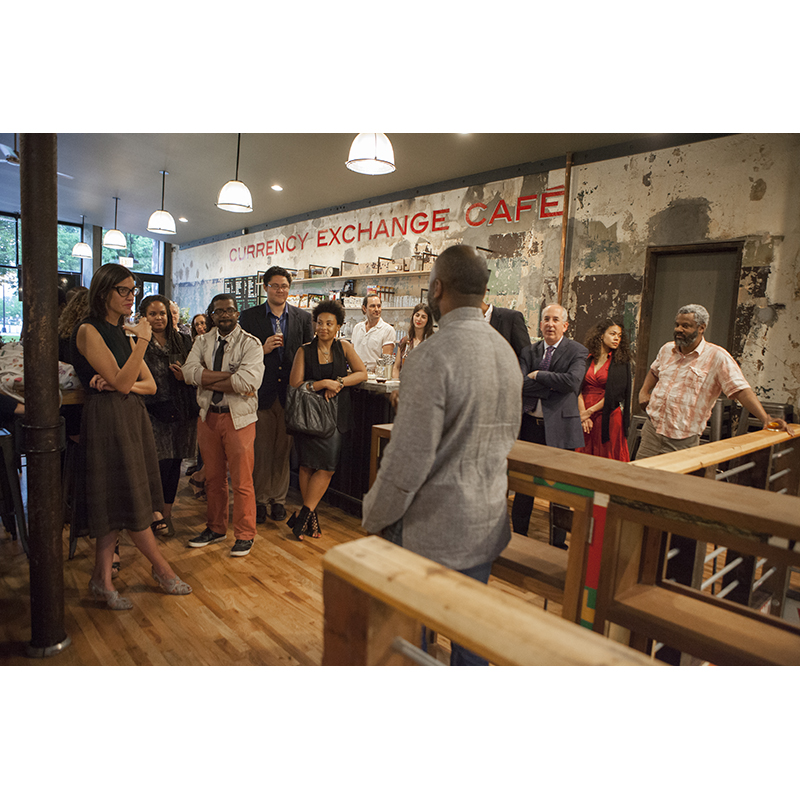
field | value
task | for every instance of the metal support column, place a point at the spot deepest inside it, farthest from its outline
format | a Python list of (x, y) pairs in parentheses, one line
[(41, 426)]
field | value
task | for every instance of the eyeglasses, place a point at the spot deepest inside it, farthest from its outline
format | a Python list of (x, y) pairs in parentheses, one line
[(278, 287), (224, 312), (124, 291)]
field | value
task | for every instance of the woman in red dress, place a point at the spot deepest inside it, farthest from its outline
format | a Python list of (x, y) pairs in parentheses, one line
[(604, 401)]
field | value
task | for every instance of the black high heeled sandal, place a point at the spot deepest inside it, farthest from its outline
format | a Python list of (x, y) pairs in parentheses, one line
[(314, 527), (299, 522)]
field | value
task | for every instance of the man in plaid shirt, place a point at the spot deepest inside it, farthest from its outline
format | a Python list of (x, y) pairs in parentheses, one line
[(683, 384)]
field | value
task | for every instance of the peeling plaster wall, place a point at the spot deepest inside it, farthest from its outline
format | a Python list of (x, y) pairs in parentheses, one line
[(739, 187)]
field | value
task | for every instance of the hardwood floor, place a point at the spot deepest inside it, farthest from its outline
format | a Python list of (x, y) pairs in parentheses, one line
[(265, 609)]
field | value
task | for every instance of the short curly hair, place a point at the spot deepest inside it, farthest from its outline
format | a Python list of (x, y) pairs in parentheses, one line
[(329, 307)]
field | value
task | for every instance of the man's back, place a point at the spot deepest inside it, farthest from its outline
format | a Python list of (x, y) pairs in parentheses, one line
[(458, 417)]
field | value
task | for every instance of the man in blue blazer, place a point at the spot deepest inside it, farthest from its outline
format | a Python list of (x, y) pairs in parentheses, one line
[(553, 370), (282, 329)]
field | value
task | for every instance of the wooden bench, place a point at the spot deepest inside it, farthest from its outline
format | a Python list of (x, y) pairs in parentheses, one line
[(533, 565)]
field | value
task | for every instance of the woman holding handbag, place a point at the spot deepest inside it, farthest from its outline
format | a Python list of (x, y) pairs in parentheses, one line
[(173, 408), (322, 365)]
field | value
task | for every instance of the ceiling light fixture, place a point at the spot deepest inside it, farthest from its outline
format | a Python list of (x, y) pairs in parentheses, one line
[(114, 239), (161, 221), (234, 195), (81, 249), (371, 154), (276, 187)]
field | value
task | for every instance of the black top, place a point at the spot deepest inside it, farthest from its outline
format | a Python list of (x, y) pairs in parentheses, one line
[(116, 340), (618, 393), (314, 371)]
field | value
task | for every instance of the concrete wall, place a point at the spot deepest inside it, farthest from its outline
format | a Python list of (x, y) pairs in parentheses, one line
[(741, 187)]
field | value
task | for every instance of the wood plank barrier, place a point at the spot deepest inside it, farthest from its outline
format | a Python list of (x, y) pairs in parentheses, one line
[(375, 591), (626, 500)]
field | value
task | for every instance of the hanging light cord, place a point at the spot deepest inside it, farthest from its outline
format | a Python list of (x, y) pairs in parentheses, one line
[(163, 179), (238, 145)]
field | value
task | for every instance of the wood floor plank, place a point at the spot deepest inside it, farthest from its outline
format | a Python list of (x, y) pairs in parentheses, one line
[(265, 609)]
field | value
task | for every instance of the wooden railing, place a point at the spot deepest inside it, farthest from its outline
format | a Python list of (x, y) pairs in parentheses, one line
[(762, 459), (615, 545), (378, 596)]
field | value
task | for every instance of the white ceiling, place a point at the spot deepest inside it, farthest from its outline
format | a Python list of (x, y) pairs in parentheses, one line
[(309, 166)]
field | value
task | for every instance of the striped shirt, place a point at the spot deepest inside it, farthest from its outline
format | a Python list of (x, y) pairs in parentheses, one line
[(689, 385)]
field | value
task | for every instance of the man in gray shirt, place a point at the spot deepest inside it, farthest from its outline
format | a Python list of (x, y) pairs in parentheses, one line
[(444, 473)]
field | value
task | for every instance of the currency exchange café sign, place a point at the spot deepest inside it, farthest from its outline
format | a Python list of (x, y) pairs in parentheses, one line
[(476, 215)]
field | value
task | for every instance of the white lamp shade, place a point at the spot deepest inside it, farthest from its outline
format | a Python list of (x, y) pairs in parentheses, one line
[(161, 222), (82, 250), (235, 196), (371, 154), (115, 240)]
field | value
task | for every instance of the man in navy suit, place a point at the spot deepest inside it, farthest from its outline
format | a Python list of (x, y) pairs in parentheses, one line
[(509, 324), (553, 370), (282, 329)]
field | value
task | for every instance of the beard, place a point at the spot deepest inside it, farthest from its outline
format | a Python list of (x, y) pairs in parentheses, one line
[(687, 340)]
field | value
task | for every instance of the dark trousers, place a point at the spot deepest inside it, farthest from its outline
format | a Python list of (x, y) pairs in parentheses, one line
[(532, 430), (170, 469)]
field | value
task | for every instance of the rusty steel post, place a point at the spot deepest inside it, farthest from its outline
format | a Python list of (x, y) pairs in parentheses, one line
[(564, 224), (41, 426)]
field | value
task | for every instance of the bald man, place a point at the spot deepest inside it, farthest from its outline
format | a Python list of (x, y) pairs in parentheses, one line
[(444, 473)]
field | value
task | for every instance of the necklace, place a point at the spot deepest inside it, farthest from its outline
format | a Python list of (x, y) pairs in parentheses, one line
[(327, 355)]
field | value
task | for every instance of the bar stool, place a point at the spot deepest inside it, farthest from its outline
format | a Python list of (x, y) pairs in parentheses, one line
[(12, 510)]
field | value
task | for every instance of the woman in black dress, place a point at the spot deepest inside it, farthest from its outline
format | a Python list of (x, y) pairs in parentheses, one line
[(173, 408), (323, 364), (118, 479)]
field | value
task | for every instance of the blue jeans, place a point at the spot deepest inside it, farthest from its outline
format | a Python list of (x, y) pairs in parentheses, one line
[(460, 656)]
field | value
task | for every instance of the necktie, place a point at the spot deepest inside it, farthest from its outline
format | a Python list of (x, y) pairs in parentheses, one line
[(217, 396), (545, 365)]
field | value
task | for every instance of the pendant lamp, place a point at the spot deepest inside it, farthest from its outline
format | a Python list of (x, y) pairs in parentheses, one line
[(234, 195), (81, 249), (114, 239), (161, 221), (371, 154)]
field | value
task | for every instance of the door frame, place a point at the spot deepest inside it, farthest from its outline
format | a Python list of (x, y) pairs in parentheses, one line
[(648, 291)]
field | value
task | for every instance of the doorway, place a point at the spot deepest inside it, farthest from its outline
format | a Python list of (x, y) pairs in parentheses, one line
[(708, 274)]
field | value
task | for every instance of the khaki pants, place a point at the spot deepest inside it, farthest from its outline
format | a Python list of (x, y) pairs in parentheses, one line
[(654, 444), (272, 450)]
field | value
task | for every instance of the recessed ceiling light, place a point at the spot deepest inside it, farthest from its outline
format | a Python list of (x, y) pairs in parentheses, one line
[(277, 188), (182, 219)]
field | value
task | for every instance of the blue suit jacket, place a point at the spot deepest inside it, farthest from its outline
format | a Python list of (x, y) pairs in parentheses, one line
[(299, 330), (558, 389)]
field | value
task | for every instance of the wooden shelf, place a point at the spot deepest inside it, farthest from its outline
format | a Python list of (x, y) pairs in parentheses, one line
[(360, 277)]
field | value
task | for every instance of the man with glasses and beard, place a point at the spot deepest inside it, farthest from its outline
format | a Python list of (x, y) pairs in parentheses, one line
[(282, 329), (683, 384), (226, 364)]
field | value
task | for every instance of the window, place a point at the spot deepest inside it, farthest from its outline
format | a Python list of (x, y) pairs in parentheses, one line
[(147, 254), (10, 304), (9, 241), (68, 237)]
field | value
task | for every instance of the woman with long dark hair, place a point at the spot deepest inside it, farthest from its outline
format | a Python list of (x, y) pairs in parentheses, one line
[(605, 397), (117, 476), (323, 364), (173, 408), (419, 329)]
